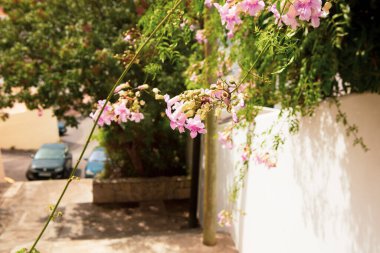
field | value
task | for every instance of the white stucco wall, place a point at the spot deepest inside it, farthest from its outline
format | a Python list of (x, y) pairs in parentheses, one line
[(26, 130), (324, 194)]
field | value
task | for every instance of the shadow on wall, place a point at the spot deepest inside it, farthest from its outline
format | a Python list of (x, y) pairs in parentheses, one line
[(228, 170), (340, 182)]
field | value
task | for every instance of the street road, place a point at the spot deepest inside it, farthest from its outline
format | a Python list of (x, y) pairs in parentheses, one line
[(17, 162)]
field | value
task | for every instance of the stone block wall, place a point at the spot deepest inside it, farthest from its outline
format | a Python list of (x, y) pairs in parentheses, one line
[(140, 189)]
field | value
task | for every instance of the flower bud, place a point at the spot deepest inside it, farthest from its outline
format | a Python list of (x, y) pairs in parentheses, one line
[(326, 8), (143, 87), (156, 91), (188, 105), (122, 86), (159, 97), (190, 113)]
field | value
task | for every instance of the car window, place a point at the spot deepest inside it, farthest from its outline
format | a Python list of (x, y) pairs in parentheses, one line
[(98, 156), (46, 153)]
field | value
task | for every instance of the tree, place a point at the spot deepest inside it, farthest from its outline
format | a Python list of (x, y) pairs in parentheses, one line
[(56, 54), (66, 55)]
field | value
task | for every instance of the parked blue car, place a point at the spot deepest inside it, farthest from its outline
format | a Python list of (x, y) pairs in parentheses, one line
[(61, 128), (96, 162)]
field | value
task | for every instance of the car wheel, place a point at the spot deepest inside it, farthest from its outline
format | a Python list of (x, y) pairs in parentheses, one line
[(66, 173), (29, 176)]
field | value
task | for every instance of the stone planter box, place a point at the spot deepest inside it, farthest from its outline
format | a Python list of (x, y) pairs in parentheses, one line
[(140, 189)]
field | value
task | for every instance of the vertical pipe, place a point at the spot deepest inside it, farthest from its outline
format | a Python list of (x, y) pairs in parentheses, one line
[(193, 221), (209, 198)]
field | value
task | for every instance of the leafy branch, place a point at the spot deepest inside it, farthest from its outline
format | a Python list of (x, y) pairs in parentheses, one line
[(351, 129)]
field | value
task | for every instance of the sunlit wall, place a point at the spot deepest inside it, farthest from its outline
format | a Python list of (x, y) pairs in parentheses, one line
[(324, 194), (27, 130)]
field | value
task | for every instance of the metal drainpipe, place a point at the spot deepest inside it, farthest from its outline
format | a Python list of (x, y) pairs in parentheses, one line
[(196, 148)]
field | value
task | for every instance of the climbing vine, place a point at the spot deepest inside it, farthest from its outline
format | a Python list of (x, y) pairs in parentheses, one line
[(249, 54)]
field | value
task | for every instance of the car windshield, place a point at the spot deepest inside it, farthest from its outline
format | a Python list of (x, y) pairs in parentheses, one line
[(98, 156), (46, 153)]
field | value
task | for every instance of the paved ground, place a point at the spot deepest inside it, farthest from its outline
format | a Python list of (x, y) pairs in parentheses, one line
[(140, 227), (17, 162)]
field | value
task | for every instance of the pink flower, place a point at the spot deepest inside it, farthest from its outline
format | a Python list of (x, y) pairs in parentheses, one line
[(266, 160), (290, 18), (128, 38), (224, 218), (171, 102), (200, 37), (315, 15), (220, 94), (195, 126), (229, 16), (244, 156), (304, 8), (276, 14), (136, 116), (122, 112), (178, 122), (177, 118), (225, 139), (106, 116), (252, 7), (208, 3)]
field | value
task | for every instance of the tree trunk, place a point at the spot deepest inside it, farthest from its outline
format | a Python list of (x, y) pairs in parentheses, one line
[(209, 198)]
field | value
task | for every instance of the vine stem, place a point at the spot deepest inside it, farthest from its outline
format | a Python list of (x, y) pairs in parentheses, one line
[(51, 216), (278, 23), (254, 63)]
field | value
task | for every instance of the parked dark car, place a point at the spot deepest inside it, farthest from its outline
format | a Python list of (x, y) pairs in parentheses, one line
[(62, 128), (51, 161), (96, 162)]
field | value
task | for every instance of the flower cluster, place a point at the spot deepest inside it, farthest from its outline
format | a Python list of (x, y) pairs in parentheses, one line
[(230, 12), (294, 11), (201, 37), (189, 109), (224, 218), (303, 10), (126, 108), (131, 36), (266, 160), (183, 115), (225, 139)]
